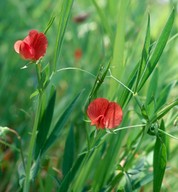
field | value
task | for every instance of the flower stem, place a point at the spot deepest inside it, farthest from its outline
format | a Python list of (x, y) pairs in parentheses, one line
[(34, 131), (31, 146)]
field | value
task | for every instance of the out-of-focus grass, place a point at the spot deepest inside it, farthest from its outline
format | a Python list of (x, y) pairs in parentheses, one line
[(16, 85)]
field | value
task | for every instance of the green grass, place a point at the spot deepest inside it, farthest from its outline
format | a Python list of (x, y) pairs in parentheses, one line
[(129, 55)]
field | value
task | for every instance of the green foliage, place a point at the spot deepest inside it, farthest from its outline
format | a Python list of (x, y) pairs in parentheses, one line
[(46, 141), (159, 159), (44, 123), (68, 152), (56, 131), (158, 49)]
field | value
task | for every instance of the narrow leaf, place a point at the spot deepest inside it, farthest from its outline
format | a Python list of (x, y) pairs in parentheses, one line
[(71, 174), (68, 152), (104, 20), (99, 80), (159, 159), (145, 180), (44, 124), (163, 111), (164, 95), (49, 24), (63, 20), (128, 185), (145, 53), (60, 124), (153, 87), (158, 50)]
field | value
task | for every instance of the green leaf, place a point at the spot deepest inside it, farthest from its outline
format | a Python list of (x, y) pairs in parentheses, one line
[(164, 95), (145, 54), (68, 152), (163, 111), (99, 80), (35, 168), (49, 24), (104, 20), (145, 180), (118, 62), (158, 50), (63, 20), (35, 93), (159, 159), (71, 174), (45, 122), (60, 124), (45, 76), (136, 73), (115, 181), (128, 185), (153, 86)]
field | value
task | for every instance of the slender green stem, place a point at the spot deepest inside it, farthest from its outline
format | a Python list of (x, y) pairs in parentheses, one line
[(9, 145), (20, 141), (75, 68), (31, 146), (111, 76), (167, 134), (34, 131), (21, 153), (128, 127), (38, 71)]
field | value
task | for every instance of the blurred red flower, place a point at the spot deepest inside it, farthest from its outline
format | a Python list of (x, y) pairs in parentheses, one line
[(78, 54), (33, 47), (104, 114), (80, 18)]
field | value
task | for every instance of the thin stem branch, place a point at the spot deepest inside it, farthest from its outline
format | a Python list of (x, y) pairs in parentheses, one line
[(167, 134), (129, 127), (9, 145), (111, 76), (34, 131), (31, 146), (20, 142), (75, 68)]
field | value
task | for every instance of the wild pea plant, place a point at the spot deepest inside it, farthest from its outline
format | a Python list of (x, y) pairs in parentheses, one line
[(114, 134)]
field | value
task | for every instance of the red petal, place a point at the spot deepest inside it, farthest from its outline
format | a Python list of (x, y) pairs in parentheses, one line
[(17, 45), (99, 122), (26, 51), (96, 109), (31, 38), (40, 46), (38, 42), (113, 116)]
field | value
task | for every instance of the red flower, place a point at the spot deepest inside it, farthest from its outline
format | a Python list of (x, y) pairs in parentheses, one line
[(104, 114), (33, 47), (80, 18), (78, 54)]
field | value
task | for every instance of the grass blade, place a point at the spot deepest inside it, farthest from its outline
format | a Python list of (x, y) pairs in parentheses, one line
[(68, 152), (145, 53), (159, 160), (163, 111), (118, 63), (71, 174), (164, 95), (104, 20), (63, 20), (44, 124), (60, 124), (158, 50)]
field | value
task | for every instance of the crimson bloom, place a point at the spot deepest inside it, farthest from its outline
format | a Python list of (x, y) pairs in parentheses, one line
[(33, 47), (104, 114), (78, 54)]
